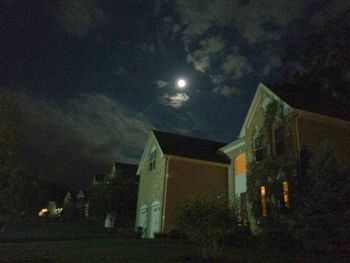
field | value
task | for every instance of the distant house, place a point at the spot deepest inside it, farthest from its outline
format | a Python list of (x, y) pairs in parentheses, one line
[(174, 169), (76, 204), (279, 130), (114, 195)]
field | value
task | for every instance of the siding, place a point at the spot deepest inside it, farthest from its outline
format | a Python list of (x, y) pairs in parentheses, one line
[(187, 180), (151, 182), (313, 133)]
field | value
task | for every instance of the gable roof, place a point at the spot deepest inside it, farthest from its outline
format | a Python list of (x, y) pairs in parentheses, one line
[(312, 100), (257, 96), (293, 99), (189, 147)]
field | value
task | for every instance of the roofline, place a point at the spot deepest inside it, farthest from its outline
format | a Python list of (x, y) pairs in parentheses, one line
[(324, 118), (146, 150), (196, 160), (233, 145), (254, 104), (189, 137)]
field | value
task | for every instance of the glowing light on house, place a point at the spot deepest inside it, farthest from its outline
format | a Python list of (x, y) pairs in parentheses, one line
[(240, 165), (285, 193), (43, 211), (263, 200)]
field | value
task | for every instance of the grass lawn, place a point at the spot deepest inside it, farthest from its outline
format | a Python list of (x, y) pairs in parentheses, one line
[(133, 250), (62, 242)]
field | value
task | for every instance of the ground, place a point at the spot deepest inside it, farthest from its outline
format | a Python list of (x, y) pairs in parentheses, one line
[(67, 242)]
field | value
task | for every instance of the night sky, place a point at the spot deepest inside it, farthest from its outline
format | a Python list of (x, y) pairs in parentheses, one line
[(92, 77)]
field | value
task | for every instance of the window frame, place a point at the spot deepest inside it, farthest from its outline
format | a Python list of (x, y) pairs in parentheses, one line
[(278, 139), (152, 160), (260, 150), (263, 199), (285, 194)]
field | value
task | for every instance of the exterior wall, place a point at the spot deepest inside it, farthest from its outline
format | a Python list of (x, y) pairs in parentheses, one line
[(232, 154), (306, 130), (255, 123), (151, 184), (313, 133), (190, 179)]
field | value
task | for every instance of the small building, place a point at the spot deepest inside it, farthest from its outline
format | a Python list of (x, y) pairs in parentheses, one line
[(175, 169)]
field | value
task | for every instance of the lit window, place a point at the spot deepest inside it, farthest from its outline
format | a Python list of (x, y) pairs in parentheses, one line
[(258, 148), (240, 164), (152, 160), (263, 200), (285, 193), (278, 139)]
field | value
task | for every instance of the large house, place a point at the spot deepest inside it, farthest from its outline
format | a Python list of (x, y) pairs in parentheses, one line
[(278, 133), (173, 170), (266, 161)]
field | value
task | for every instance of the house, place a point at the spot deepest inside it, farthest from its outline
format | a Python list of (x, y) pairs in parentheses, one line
[(114, 195), (118, 169), (174, 169), (279, 130)]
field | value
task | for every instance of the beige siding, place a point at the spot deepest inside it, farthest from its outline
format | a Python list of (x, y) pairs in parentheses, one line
[(151, 182)]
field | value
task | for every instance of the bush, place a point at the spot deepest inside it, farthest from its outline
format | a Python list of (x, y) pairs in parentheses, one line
[(207, 222), (172, 234), (243, 238), (322, 212)]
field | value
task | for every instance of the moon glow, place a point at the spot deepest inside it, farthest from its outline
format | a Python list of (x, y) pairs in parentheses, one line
[(181, 83)]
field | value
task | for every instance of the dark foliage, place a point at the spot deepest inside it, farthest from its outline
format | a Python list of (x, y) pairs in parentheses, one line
[(117, 195), (208, 223), (322, 212), (317, 75)]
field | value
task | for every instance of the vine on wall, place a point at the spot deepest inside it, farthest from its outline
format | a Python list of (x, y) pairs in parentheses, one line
[(273, 169)]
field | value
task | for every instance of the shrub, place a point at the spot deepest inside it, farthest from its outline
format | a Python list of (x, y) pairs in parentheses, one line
[(323, 211), (207, 222)]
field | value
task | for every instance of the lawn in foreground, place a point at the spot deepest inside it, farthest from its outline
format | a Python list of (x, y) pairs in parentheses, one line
[(131, 250)]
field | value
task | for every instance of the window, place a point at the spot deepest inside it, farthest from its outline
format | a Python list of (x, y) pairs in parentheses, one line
[(152, 160), (258, 148), (285, 193), (263, 200), (278, 140), (240, 164)]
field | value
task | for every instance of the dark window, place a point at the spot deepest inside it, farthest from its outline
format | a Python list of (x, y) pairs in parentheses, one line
[(258, 148), (152, 160), (278, 140)]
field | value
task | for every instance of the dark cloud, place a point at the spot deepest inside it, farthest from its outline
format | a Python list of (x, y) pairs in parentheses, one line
[(81, 137), (78, 17), (259, 25), (200, 58)]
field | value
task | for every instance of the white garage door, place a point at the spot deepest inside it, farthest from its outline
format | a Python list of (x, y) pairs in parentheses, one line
[(143, 218), (154, 226)]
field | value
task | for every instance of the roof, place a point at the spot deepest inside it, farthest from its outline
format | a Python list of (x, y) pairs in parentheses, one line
[(189, 147), (313, 100)]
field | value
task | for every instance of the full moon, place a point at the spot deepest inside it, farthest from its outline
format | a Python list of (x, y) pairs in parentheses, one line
[(181, 83)]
